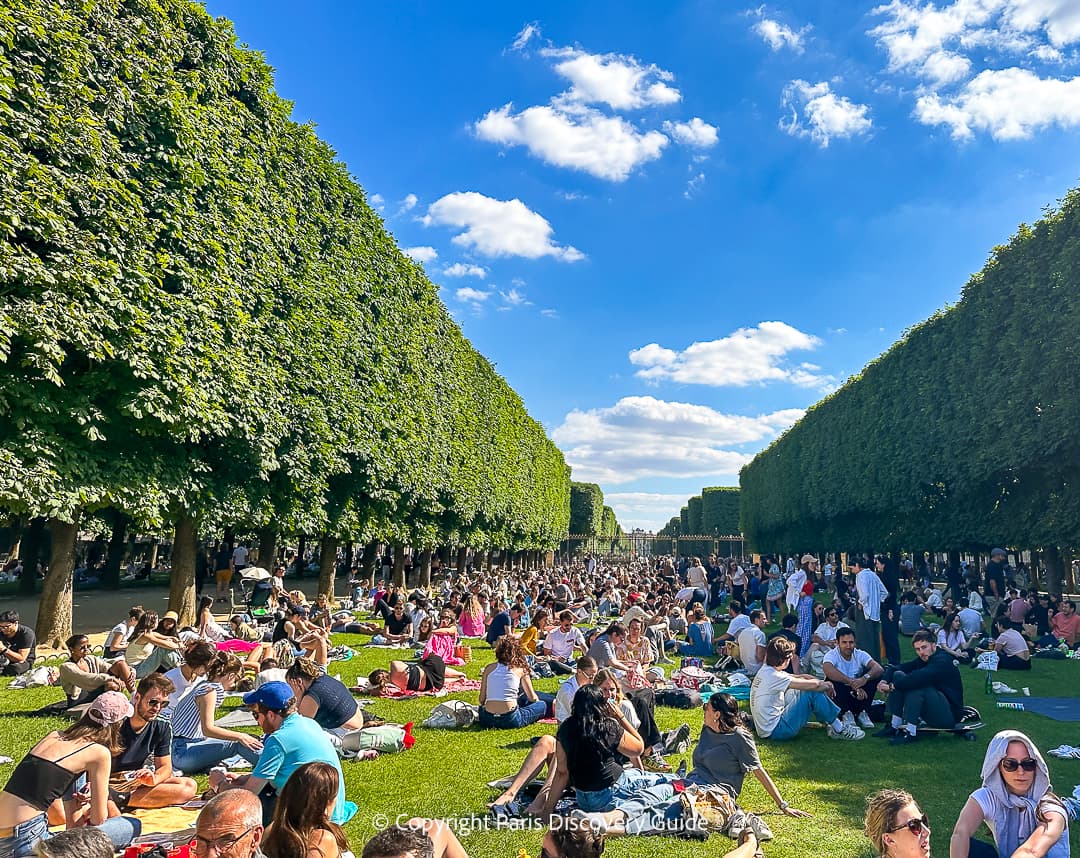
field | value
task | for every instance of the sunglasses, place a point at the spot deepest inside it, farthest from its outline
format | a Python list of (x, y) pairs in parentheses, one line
[(915, 825), (1011, 765)]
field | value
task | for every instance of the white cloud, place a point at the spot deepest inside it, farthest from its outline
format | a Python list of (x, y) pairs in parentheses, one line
[(641, 436), (647, 510), (527, 34), (748, 356), (779, 36), (514, 298), (697, 133), (460, 269), (931, 40), (497, 227), (815, 111), (409, 203), (422, 254), (1009, 104), (621, 82), (550, 314), (694, 185), (608, 147), (377, 201), (467, 294)]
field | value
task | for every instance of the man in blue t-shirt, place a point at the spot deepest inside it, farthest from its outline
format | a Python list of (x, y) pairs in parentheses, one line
[(291, 741), (502, 623)]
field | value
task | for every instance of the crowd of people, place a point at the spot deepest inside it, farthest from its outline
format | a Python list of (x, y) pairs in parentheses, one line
[(613, 633)]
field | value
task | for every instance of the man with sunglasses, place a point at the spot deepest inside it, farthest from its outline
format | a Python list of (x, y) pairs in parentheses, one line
[(230, 825), (928, 688)]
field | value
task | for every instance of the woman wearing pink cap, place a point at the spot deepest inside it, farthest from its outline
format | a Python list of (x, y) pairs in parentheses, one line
[(45, 773)]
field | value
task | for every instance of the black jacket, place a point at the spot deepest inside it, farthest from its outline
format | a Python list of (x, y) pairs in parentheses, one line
[(938, 672)]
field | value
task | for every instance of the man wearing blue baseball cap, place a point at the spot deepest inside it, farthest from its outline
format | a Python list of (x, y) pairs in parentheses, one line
[(291, 741)]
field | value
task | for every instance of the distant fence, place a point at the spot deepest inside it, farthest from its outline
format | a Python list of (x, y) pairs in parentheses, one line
[(643, 544)]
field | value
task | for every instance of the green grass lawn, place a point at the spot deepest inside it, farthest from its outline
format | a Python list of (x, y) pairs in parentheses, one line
[(445, 774)]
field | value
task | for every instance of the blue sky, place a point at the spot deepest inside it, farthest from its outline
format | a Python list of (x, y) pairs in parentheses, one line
[(672, 227)]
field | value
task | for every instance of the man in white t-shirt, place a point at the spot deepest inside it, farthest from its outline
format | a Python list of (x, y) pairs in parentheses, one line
[(239, 557), (560, 644), (854, 675), (782, 703), (737, 621), (751, 642)]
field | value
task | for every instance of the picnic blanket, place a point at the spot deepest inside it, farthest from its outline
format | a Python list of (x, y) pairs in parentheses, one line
[(1058, 708), (237, 718), (454, 686)]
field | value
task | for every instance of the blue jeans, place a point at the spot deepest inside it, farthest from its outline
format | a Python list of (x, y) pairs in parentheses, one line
[(526, 714), (121, 830), (159, 657), (797, 714), (200, 755), (641, 796)]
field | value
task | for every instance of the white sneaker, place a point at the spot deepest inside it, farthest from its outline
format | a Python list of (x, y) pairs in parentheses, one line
[(850, 733), (865, 721), (849, 719)]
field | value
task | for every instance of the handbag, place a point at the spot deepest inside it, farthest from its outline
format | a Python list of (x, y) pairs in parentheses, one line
[(464, 652)]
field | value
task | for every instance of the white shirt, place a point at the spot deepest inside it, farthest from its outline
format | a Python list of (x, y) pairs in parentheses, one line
[(239, 555), (749, 640), (971, 622), (695, 577), (739, 576), (561, 645), (738, 623), (853, 667), (871, 594), (119, 629), (827, 632), (564, 699), (769, 697)]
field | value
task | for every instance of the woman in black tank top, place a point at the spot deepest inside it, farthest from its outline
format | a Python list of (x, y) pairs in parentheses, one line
[(44, 775)]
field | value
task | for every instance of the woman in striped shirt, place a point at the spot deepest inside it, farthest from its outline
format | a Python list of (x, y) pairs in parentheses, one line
[(197, 743)]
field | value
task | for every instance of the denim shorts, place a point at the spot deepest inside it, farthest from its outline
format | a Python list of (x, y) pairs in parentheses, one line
[(27, 835)]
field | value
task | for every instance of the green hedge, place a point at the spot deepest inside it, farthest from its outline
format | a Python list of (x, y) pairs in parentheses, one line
[(962, 435)]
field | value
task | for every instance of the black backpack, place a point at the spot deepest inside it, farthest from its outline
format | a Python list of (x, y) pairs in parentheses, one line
[(678, 698)]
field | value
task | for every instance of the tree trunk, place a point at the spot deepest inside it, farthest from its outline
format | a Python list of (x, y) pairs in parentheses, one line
[(34, 541), (327, 564), (424, 578), (368, 560), (399, 565), (1052, 558), (268, 545), (350, 553), (182, 579), (53, 625), (154, 551), (301, 550), (110, 578)]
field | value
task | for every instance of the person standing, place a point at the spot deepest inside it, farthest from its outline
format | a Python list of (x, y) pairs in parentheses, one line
[(223, 570), (871, 593), (994, 576)]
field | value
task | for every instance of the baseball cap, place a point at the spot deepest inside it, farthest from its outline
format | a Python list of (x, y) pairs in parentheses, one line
[(995, 552), (807, 558), (109, 708), (272, 695)]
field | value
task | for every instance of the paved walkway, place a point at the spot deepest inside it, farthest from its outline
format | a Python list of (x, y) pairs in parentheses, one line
[(100, 610)]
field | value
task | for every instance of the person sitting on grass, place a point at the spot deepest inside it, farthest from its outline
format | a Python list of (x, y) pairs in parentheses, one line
[(781, 703), (1017, 804), (323, 698), (230, 824), (444, 639), (302, 827), (911, 613), (153, 645), (85, 677), (207, 627), (198, 743), (306, 639), (737, 621), (854, 675), (290, 741), (561, 643), (1011, 646), (417, 838), (928, 688), (507, 698), (50, 767), (896, 826), (397, 630), (18, 645), (428, 674), (951, 638), (117, 641)]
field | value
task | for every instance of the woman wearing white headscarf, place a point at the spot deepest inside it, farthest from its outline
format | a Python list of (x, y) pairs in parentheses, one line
[(1016, 803)]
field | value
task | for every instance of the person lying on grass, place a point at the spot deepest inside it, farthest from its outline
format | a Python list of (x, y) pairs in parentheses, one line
[(428, 674)]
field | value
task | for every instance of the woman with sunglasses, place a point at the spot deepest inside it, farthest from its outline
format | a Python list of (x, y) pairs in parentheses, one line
[(896, 826), (1016, 803)]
